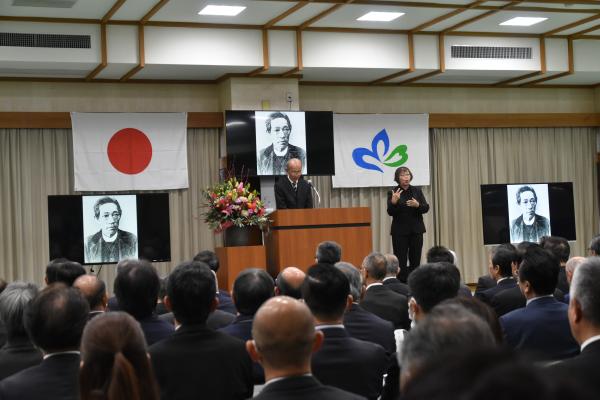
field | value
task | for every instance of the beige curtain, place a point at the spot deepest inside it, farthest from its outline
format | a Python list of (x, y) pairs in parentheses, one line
[(463, 159), (38, 162)]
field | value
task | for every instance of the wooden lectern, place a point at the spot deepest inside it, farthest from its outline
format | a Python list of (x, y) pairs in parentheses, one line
[(295, 234)]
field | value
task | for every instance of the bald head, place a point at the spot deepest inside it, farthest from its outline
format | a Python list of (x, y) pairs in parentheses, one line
[(94, 291), (294, 169), (572, 265), (289, 281), (284, 334)]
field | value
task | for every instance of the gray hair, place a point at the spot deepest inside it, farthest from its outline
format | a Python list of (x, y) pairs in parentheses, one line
[(354, 278), (376, 265), (446, 327), (13, 302), (573, 263), (584, 289), (392, 264), (329, 252)]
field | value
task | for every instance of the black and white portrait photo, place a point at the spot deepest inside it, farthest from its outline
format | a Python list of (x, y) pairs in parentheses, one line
[(280, 136), (109, 228), (528, 212)]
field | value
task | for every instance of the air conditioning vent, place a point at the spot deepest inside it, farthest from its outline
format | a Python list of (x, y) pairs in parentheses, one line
[(45, 3), (518, 53), (45, 40)]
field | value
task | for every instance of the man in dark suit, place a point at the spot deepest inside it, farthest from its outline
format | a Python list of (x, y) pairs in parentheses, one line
[(542, 326), (63, 270), (584, 319), (363, 324), (211, 259), (438, 254), (273, 158), (380, 300), (136, 288), (284, 338), (391, 281), (289, 282), (251, 289), (54, 320), (430, 285), (486, 281), (501, 265), (291, 191), (198, 362), (559, 246), (406, 205), (343, 361), (18, 353), (328, 252), (94, 291)]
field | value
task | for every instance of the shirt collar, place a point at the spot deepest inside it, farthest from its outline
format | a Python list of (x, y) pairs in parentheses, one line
[(388, 278), (589, 341), (282, 378), (61, 352), (374, 284), (537, 298), (325, 326), (503, 279)]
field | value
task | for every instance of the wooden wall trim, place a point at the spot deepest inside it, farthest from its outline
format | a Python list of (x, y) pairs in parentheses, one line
[(436, 120)]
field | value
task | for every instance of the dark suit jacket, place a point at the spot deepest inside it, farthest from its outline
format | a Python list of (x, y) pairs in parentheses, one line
[(287, 197), (155, 329), (405, 219), (57, 377), (16, 355), (365, 325), (241, 328), (582, 369), (487, 295), (216, 319), (350, 364), (197, 362), (387, 304), (225, 302), (397, 286), (563, 284), (541, 328), (303, 388), (540, 227), (266, 164), (484, 282), (512, 299), (126, 244)]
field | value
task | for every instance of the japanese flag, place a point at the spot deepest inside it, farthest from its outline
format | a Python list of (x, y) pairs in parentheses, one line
[(129, 151)]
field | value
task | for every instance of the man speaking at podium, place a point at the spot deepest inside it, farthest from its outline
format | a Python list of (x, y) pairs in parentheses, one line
[(291, 191)]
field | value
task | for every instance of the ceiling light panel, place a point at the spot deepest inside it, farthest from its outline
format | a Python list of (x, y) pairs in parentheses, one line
[(523, 21), (227, 11), (380, 16)]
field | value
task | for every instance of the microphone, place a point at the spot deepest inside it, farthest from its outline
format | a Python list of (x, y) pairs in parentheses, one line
[(315, 189)]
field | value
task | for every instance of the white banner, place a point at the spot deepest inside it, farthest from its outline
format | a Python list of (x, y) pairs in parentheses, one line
[(369, 147), (129, 151)]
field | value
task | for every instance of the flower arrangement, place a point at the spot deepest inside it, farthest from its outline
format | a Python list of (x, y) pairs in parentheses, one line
[(232, 203)]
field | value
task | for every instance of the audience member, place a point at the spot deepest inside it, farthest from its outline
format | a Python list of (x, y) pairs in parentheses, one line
[(18, 353), (196, 361), (594, 247), (54, 320), (379, 299), (392, 270), (211, 259), (289, 282), (63, 270), (486, 281), (343, 361), (284, 338), (570, 268), (447, 328), (438, 254), (501, 265), (94, 291), (429, 285), (558, 246), (542, 326), (328, 252), (360, 323), (162, 292), (584, 319), (251, 289), (115, 363), (482, 310), (136, 288)]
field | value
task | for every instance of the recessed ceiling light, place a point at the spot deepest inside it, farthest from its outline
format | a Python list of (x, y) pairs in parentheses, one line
[(380, 16), (523, 21), (229, 11)]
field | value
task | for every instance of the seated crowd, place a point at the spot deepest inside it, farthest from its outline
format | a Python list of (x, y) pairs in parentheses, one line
[(332, 330)]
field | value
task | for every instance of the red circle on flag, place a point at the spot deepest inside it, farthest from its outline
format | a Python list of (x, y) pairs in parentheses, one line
[(129, 151)]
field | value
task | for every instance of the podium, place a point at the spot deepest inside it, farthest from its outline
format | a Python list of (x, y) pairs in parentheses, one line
[(233, 260), (295, 235)]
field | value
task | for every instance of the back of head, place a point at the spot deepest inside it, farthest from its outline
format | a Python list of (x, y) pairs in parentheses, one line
[(289, 282), (446, 328), (209, 258), (354, 278), (284, 331), (392, 265), (136, 287), (13, 303), (64, 271), (93, 289), (482, 310), (191, 290), (115, 361), (504, 258), (55, 318), (325, 291), (251, 289), (594, 246), (376, 266), (439, 254), (558, 246), (584, 289), (328, 252), (540, 268), (432, 283)]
